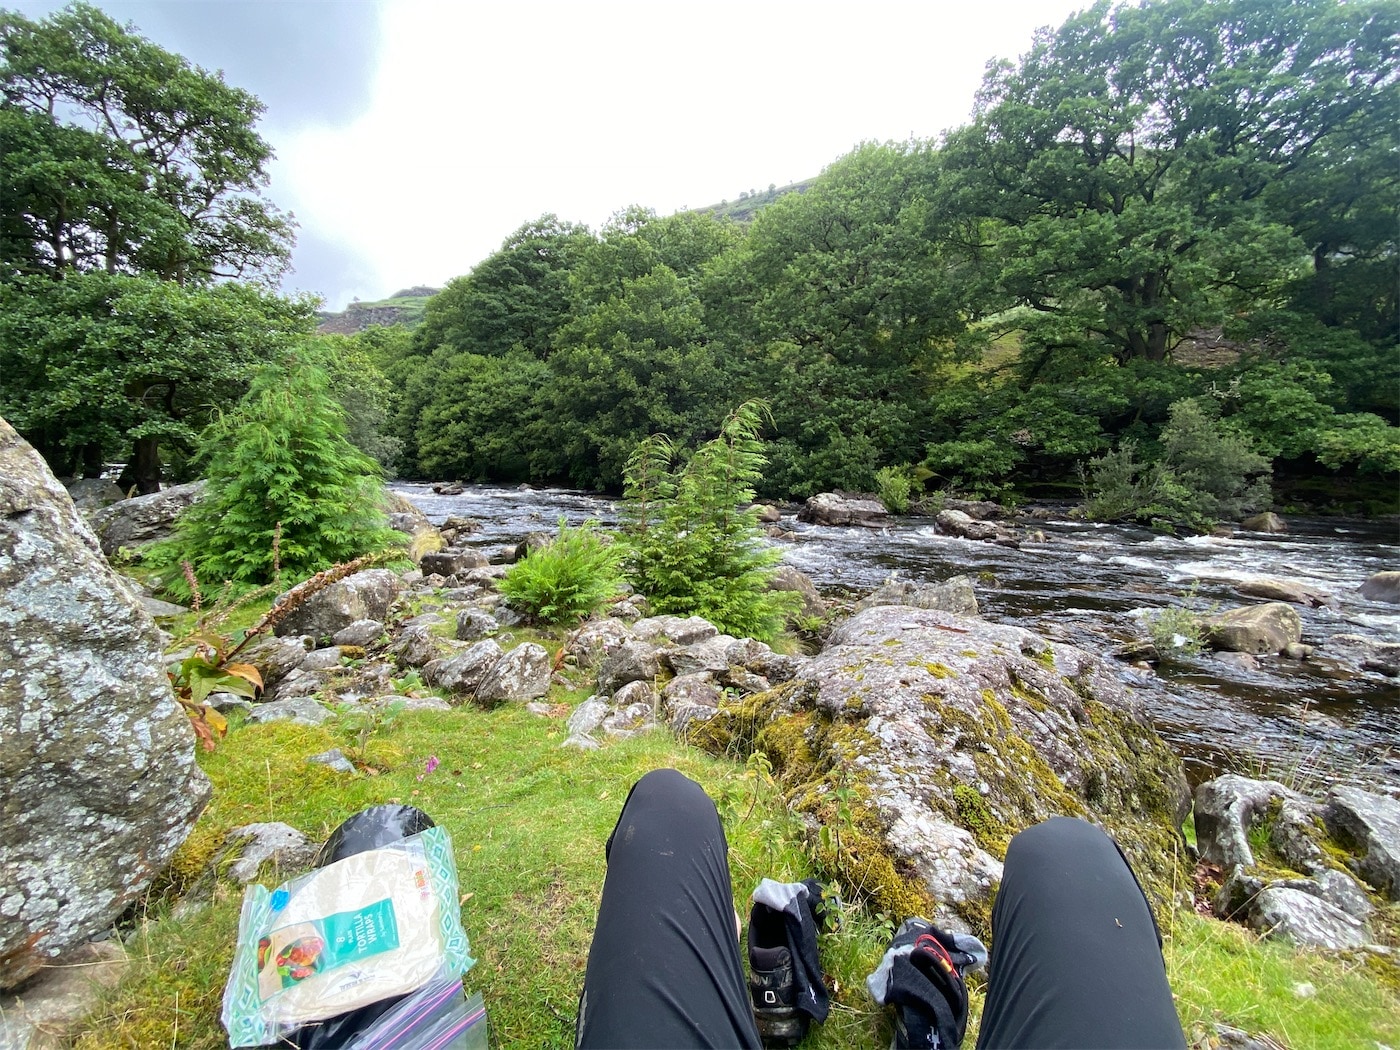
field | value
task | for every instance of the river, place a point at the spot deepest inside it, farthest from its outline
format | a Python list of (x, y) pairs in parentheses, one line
[(1305, 723)]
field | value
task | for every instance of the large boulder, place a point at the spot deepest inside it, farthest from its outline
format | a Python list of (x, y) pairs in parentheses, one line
[(405, 517), (1265, 522), (833, 508), (522, 674), (1256, 629), (960, 523), (143, 519), (1382, 587), (925, 740), (364, 595), (788, 578), (1291, 591), (98, 783), (1369, 823), (954, 595)]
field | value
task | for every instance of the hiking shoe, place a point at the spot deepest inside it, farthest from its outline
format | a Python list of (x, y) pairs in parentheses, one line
[(774, 994)]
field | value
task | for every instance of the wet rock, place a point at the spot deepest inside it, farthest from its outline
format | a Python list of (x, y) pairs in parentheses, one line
[(522, 674), (681, 630), (633, 661), (1256, 629), (473, 624), (954, 595), (364, 595), (451, 562), (1297, 651), (360, 633), (1228, 1037), (141, 520), (1382, 587), (797, 582), (1265, 522), (98, 783), (1370, 824), (1364, 654), (957, 523), (832, 508), (1284, 591), (462, 674), (302, 710), (977, 509), (768, 514)]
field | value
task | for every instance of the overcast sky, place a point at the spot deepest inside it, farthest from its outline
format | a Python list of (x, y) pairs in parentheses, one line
[(413, 137)]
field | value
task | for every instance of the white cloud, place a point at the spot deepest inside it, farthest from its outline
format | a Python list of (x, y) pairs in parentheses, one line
[(486, 115)]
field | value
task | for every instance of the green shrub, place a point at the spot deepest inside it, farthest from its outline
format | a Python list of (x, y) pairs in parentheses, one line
[(288, 493), (695, 544), (892, 483), (567, 580), (1175, 629)]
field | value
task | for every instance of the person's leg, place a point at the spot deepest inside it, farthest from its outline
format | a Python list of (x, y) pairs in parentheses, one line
[(1076, 956), (664, 967)]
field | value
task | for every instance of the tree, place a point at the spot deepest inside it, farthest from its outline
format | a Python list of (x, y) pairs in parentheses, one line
[(120, 156), (1128, 174), (287, 492), (100, 366)]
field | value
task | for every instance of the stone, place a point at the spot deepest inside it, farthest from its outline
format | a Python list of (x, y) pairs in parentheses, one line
[(361, 633), (302, 710), (522, 674), (833, 508), (1225, 809), (596, 640), (1306, 920), (1382, 587), (451, 562), (462, 674), (629, 719), (334, 759), (689, 697), (92, 494), (1228, 1037), (633, 661), (415, 646), (46, 1012), (1256, 629), (768, 514), (711, 657), (634, 693), (247, 848), (1291, 591), (978, 509), (953, 595), (227, 702), (406, 517), (1265, 522), (954, 734), (275, 658), (140, 520), (587, 717), (327, 659), (685, 630), (1369, 824), (474, 624), (98, 783), (1361, 653), (957, 523), (787, 578), (364, 595)]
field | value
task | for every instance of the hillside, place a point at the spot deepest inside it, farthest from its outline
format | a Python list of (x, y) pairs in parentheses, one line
[(404, 307), (751, 203)]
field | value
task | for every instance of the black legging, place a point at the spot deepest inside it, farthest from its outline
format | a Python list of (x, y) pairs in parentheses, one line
[(1077, 960)]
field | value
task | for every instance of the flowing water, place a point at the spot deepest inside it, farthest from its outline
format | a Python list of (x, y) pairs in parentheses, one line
[(1308, 723)]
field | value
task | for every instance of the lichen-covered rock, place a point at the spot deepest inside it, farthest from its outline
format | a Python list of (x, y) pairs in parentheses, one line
[(98, 783), (473, 624), (832, 508), (1370, 823), (953, 595), (140, 520), (405, 517), (461, 674), (451, 562), (522, 674), (361, 633), (302, 710), (682, 630), (946, 735), (1306, 920), (274, 657), (708, 657), (795, 581), (364, 595), (689, 698), (249, 847), (633, 661), (595, 640), (415, 646), (1258, 629), (1225, 809)]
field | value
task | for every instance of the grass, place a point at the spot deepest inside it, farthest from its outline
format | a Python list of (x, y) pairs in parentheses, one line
[(528, 821)]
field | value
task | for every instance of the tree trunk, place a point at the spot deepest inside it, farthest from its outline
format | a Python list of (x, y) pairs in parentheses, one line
[(145, 465)]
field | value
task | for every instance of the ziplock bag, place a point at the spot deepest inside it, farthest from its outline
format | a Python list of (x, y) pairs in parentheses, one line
[(379, 924)]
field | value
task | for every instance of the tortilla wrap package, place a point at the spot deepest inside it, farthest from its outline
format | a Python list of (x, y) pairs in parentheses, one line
[(377, 924)]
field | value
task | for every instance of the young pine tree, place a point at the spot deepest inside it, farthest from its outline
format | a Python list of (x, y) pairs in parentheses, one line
[(696, 547), (288, 493)]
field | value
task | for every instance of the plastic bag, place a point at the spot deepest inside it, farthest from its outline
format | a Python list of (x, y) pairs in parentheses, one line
[(436, 1017), (378, 924)]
